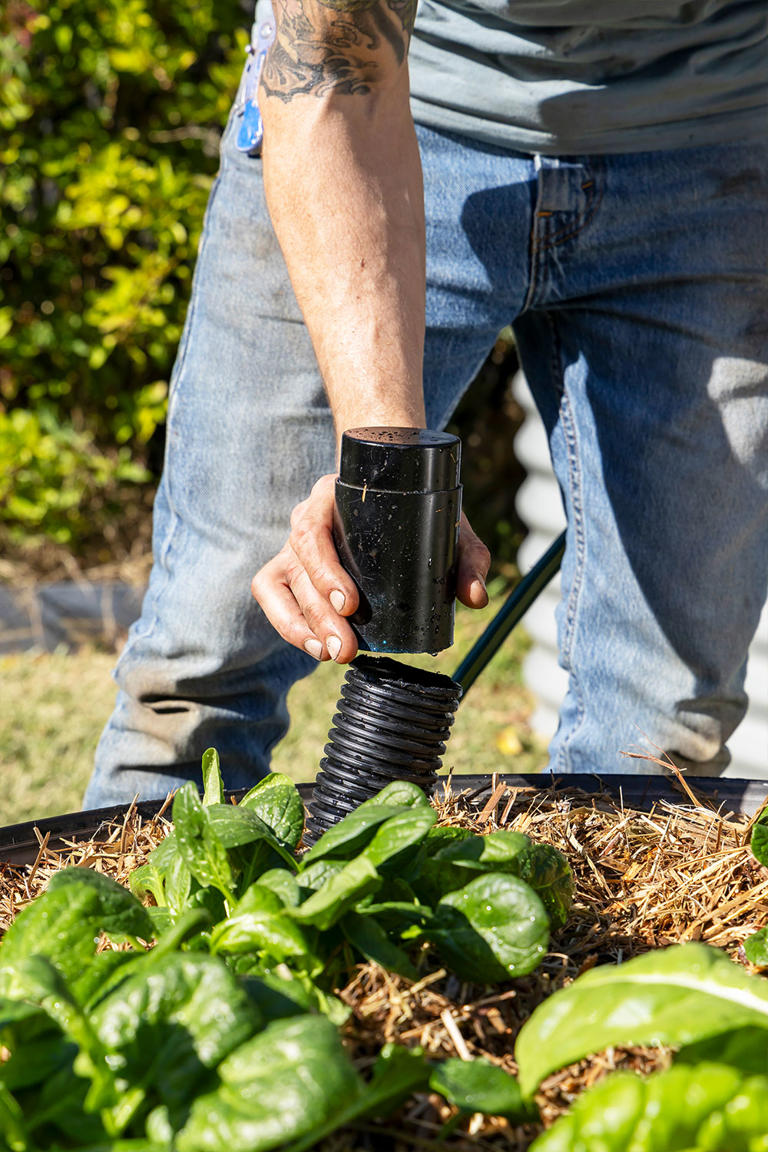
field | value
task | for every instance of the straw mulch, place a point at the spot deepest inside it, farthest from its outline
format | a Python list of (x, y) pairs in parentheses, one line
[(643, 880)]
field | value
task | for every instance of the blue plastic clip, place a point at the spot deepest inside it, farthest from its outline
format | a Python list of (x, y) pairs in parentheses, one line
[(250, 133)]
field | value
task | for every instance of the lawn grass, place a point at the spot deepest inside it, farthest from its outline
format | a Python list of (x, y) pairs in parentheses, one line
[(53, 707)]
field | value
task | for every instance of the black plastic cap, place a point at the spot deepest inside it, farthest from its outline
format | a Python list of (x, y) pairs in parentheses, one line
[(400, 459)]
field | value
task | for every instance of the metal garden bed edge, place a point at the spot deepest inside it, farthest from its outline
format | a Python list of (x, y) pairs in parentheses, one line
[(20, 843)]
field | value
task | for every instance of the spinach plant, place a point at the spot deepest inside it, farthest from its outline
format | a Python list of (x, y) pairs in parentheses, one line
[(214, 1023), (484, 904), (756, 945), (692, 997)]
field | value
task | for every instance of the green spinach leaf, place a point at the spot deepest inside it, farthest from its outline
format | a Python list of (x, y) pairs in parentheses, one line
[(672, 996), (164, 1027), (429, 879), (492, 929), (36, 1061), (287, 1082), (398, 833), (178, 884), (238, 826), (280, 992), (397, 1073), (314, 876), (339, 893), (370, 939), (277, 802), (756, 948), (200, 846), (350, 835), (13, 1130), (213, 786), (400, 792), (710, 1108), (759, 839), (148, 880), (284, 884), (63, 1107), (36, 980), (479, 1086), (540, 865), (444, 834), (744, 1048), (64, 923), (165, 877), (259, 923)]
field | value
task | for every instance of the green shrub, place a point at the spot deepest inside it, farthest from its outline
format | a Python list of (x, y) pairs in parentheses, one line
[(52, 477), (110, 114)]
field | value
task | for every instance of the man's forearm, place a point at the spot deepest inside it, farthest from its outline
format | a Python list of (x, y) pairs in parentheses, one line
[(343, 181)]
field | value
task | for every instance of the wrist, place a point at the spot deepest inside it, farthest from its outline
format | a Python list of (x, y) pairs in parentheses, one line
[(378, 417)]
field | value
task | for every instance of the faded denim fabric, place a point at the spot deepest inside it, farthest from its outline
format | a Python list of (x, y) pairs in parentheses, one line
[(638, 289)]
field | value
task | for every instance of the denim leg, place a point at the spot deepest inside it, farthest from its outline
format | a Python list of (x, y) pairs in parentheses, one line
[(478, 202), (640, 291), (249, 431), (646, 346)]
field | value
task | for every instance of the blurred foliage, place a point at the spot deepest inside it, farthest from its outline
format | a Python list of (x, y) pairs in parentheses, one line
[(110, 114), (52, 473)]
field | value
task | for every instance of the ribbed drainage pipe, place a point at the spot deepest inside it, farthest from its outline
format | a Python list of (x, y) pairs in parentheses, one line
[(392, 723)]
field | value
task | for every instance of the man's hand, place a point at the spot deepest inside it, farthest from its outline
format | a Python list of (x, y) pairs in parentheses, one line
[(307, 595)]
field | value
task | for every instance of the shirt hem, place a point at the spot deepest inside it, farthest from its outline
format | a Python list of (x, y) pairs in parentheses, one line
[(741, 126)]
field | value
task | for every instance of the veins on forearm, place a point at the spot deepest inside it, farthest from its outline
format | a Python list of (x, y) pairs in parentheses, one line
[(325, 46)]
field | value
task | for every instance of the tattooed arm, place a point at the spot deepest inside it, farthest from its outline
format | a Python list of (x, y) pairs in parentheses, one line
[(343, 181), (349, 46)]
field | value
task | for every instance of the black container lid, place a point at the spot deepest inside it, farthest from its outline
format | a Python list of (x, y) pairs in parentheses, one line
[(400, 459)]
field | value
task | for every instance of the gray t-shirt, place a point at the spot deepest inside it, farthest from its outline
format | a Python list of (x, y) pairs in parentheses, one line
[(585, 76)]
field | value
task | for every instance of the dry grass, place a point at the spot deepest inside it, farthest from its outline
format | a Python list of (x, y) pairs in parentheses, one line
[(643, 879)]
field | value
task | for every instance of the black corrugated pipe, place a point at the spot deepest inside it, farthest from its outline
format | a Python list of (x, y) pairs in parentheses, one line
[(398, 504)]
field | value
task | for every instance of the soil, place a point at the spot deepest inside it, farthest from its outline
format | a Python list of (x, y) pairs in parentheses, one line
[(123, 552)]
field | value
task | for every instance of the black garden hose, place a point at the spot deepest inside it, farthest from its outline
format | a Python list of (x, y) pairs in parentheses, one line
[(509, 615)]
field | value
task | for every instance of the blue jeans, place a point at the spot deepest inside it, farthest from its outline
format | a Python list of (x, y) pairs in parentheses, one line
[(637, 286)]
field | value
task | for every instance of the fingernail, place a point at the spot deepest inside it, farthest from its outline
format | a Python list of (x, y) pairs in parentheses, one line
[(338, 599), (478, 585), (333, 644), (314, 647)]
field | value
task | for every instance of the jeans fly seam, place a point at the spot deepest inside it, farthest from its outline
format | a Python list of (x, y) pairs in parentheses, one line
[(568, 232), (533, 248)]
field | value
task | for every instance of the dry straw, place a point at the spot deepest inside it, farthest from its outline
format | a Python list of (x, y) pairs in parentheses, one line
[(644, 879)]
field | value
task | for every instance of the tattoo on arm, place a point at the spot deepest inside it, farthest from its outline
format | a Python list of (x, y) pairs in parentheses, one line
[(325, 46)]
